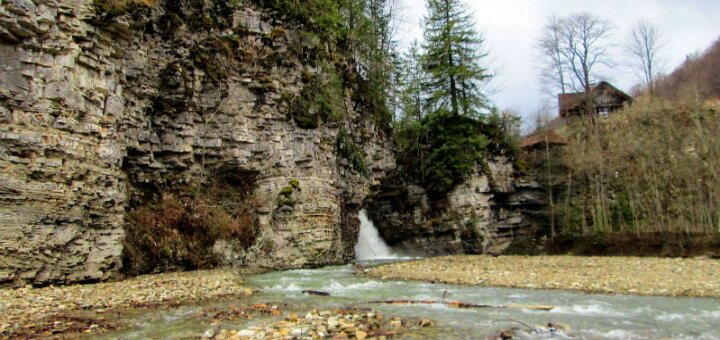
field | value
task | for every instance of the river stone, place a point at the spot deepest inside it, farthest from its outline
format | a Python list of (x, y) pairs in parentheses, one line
[(246, 333), (333, 322)]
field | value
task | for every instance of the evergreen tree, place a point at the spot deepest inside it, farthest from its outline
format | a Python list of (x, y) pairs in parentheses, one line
[(412, 80), (408, 129), (453, 60)]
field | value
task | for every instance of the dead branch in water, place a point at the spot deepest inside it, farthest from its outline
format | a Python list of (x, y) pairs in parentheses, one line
[(315, 292), (459, 304)]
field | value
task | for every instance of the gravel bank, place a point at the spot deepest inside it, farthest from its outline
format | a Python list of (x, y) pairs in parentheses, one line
[(338, 324), (610, 275), (53, 311)]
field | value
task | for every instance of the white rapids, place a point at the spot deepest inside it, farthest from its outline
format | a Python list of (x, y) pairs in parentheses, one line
[(370, 245)]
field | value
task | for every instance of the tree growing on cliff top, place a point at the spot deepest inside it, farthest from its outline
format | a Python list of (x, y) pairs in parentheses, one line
[(453, 60)]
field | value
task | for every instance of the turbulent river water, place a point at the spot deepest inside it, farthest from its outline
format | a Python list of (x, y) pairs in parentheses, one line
[(588, 316)]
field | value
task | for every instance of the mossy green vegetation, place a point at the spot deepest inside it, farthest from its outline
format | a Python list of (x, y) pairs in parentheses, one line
[(454, 145), (322, 16), (294, 183), (285, 196), (286, 191), (114, 8), (441, 149), (344, 35), (216, 55), (321, 100), (351, 152)]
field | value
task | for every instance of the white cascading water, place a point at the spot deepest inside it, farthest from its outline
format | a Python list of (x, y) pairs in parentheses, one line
[(370, 245)]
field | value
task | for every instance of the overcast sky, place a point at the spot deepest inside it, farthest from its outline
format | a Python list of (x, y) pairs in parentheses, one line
[(512, 27)]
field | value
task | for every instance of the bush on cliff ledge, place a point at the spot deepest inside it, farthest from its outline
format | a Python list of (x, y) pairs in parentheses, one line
[(179, 229)]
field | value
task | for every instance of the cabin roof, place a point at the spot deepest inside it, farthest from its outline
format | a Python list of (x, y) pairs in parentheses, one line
[(534, 140), (570, 101)]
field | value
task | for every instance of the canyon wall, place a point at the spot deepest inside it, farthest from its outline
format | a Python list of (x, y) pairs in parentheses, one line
[(96, 110)]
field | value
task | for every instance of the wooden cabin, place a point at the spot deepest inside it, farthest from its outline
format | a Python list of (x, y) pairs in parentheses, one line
[(604, 99)]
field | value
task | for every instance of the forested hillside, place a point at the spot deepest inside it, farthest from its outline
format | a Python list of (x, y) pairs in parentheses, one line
[(697, 77)]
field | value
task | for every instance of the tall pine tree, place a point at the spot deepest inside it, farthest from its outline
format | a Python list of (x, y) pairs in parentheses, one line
[(454, 53), (412, 80)]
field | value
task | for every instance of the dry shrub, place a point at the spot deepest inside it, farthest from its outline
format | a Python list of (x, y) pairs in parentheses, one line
[(179, 229), (651, 168)]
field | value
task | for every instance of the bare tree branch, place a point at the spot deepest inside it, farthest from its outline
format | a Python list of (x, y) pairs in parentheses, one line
[(553, 70), (584, 46), (643, 45), (570, 48)]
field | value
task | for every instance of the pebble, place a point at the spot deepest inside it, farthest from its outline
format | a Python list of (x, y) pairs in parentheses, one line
[(246, 333), (333, 322)]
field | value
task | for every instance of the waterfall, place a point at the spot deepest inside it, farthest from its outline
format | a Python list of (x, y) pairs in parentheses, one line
[(370, 245)]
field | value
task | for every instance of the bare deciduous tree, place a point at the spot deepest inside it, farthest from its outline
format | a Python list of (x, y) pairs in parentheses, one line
[(584, 47), (572, 47), (643, 45), (553, 74)]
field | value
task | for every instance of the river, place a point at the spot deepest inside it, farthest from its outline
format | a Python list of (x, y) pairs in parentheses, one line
[(588, 316)]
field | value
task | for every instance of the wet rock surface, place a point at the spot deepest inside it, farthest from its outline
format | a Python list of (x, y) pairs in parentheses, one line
[(609, 275)]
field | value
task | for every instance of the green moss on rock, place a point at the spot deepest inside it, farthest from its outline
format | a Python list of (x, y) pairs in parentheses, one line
[(321, 100), (351, 152)]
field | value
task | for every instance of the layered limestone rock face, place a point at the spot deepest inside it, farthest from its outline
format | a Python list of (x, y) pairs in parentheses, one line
[(484, 214), (63, 192), (96, 110)]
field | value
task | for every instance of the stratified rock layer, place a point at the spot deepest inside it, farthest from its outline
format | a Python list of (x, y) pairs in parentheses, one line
[(93, 108)]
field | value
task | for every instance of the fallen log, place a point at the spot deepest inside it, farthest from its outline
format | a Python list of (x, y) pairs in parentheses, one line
[(459, 304), (315, 292)]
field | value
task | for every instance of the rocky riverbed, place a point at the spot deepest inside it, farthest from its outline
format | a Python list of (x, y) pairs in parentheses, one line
[(337, 324), (57, 311), (230, 304), (697, 277)]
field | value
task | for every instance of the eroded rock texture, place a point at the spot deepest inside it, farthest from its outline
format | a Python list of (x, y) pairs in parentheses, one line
[(96, 109), (484, 214)]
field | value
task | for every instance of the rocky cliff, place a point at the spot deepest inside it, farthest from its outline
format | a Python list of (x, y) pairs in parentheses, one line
[(100, 110), (489, 210)]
